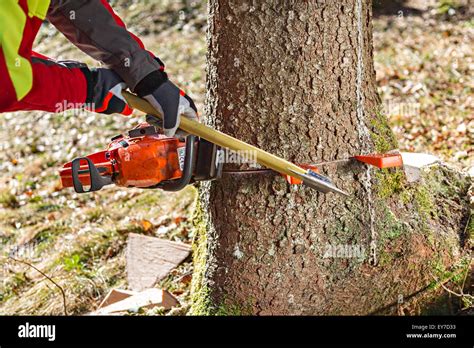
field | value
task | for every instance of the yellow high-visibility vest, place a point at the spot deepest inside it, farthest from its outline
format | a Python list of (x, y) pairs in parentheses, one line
[(12, 25)]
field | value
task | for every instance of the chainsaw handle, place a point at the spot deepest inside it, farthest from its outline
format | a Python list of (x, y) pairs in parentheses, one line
[(97, 181), (185, 179)]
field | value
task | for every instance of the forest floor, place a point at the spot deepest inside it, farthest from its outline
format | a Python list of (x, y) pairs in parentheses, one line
[(425, 71)]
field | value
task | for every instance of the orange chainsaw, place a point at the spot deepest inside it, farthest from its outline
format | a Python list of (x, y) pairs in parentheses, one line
[(147, 159)]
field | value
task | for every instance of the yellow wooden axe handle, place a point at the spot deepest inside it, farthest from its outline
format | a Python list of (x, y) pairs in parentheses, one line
[(226, 141)]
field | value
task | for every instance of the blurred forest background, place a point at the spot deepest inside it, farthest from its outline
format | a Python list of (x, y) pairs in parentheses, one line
[(425, 71)]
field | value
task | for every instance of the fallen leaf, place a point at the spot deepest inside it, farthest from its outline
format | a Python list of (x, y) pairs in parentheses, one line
[(146, 225)]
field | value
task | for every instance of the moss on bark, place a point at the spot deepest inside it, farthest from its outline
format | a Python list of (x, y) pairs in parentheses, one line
[(202, 302), (200, 292), (434, 210), (381, 133)]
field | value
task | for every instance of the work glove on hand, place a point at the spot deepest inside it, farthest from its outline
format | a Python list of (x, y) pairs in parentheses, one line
[(104, 92), (168, 99)]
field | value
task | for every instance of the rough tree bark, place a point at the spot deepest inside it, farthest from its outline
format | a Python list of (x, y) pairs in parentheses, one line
[(297, 79)]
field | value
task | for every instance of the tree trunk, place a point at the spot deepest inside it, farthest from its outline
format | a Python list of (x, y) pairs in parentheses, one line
[(296, 78)]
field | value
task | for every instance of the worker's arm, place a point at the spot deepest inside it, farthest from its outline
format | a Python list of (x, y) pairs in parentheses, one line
[(31, 81), (59, 86), (94, 28)]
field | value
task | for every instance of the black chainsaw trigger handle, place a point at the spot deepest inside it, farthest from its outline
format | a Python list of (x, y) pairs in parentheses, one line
[(190, 154), (97, 181)]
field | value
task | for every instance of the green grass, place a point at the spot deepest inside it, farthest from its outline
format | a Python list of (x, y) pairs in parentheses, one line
[(445, 5), (8, 200), (73, 263)]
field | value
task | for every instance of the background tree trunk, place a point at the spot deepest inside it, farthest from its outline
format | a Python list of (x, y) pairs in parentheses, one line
[(296, 78)]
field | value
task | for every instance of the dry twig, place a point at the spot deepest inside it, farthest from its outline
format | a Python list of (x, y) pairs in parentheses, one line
[(47, 277)]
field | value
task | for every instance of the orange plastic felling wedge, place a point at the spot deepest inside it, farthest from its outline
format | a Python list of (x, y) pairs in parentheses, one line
[(381, 160)]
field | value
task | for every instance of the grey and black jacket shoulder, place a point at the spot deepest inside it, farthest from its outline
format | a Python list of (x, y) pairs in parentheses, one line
[(95, 29)]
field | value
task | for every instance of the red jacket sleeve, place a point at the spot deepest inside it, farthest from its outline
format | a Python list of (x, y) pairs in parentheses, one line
[(57, 86), (27, 81)]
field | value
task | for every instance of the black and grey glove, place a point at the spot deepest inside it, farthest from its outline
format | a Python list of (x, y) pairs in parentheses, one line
[(167, 98), (104, 92)]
